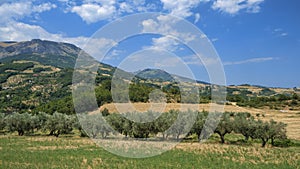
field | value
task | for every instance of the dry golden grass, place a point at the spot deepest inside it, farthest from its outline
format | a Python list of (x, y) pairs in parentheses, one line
[(52, 147), (2, 44), (291, 118), (253, 154)]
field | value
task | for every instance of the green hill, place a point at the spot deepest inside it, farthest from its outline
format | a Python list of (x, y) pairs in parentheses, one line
[(37, 75)]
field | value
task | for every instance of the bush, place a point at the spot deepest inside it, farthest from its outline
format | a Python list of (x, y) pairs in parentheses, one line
[(40, 69), (2, 121), (283, 143)]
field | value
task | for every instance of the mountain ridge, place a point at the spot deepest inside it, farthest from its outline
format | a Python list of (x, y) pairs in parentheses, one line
[(41, 78), (52, 53)]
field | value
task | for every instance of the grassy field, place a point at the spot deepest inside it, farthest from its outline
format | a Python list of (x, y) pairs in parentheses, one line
[(75, 152)]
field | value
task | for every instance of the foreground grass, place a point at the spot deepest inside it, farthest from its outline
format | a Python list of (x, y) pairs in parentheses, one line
[(75, 152)]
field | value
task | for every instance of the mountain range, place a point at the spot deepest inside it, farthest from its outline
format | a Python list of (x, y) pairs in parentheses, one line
[(37, 74)]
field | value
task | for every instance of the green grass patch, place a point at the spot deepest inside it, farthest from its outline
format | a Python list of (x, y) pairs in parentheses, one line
[(75, 152)]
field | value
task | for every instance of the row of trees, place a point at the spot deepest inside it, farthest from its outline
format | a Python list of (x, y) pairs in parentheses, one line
[(245, 124), (26, 123), (171, 125), (167, 125)]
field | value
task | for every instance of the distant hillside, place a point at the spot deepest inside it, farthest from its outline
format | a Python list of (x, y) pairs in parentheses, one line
[(37, 75), (56, 54), (155, 75)]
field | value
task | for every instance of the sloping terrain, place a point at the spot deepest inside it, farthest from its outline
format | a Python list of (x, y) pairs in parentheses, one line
[(37, 75)]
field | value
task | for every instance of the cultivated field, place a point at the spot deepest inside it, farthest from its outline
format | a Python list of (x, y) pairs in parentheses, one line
[(75, 152)]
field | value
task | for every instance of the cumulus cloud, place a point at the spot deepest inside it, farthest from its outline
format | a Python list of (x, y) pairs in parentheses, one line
[(234, 6), (18, 10), (164, 43), (43, 7), (18, 31), (181, 8), (168, 27), (91, 13)]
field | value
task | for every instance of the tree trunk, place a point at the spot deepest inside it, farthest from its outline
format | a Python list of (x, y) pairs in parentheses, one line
[(272, 141), (246, 138), (177, 137), (163, 136), (20, 132), (57, 134), (264, 142), (222, 139), (51, 133)]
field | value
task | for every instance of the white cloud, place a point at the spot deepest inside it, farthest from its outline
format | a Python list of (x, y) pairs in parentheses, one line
[(43, 7), (279, 32), (199, 60), (197, 18), (181, 8), (17, 31), (234, 6), (114, 54), (91, 13), (168, 27), (125, 7), (18, 10), (164, 43), (284, 34), (214, 39), (103, 2), (253, 60), (97, 48)]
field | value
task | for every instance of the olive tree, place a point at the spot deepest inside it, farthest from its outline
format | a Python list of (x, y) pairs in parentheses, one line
[(59, 123), (141, 128), (164, 122), (262, 131), (244, 124), (225, 126), (95, 125), (182, 125), (277, 131), (199, 124), (19, 122)]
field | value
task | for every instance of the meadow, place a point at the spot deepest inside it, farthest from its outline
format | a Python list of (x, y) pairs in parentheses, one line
[(69, 151)]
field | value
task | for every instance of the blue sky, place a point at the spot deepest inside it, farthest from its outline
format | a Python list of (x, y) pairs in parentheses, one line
[(258, 41)]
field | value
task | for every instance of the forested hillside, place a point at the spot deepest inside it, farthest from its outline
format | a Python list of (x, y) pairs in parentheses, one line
[(37, 76)]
